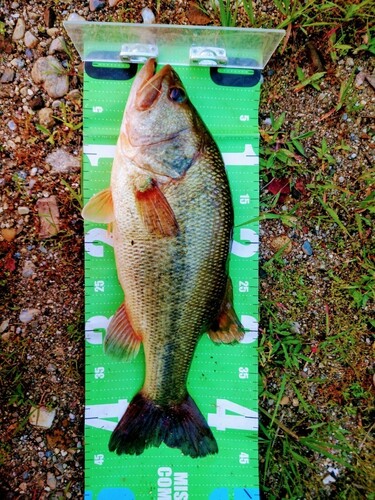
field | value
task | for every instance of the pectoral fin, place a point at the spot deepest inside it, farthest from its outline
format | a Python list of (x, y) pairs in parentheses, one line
[(227, 327), (156, 212), (99, 208), (121, 341)]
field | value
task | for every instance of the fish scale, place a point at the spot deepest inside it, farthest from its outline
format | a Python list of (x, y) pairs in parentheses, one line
[(173, 306)]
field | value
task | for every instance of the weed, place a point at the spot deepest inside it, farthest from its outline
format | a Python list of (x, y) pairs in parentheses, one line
[(45, 131), (227, 12), (282, 151), (248, 7), (332, 213), (293, 11), (323, 153), (337, 47), (75, 330), (363, 290), (312, 80), (368, 44), (75, 196), (5, 450), (69, 118)]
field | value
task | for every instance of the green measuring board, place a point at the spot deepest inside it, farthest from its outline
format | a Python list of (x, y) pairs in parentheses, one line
[(223, 379)]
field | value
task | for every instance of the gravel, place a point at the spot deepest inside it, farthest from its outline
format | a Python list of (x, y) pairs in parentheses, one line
[(41, 263)]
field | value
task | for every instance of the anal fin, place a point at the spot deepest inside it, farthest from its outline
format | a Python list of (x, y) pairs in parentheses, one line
[(121, 341), (226, 328), (156, 212)]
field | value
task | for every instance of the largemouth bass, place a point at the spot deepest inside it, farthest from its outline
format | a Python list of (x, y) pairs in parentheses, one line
[(170, 208)]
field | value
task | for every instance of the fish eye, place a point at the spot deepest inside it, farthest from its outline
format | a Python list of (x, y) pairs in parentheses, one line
[(177, 94)]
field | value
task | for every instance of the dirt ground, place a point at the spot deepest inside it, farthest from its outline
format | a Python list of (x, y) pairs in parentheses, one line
[(41, 263)]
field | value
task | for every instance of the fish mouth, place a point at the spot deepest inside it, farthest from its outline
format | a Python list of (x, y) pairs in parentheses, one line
[(149, 88), (145, 93)]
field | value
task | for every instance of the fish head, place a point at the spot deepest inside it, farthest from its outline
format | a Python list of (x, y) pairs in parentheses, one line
[(161, 130)]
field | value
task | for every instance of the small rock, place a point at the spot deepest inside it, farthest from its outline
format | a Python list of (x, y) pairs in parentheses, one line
[(19, 30), (23, 210), (49, 17), (147, 15), (329, 479), (49, 71), (28, 269), (51, 368), (353, 156), (74, 95), (295, 327), (284, 400), (57, 45), (4, 325), (23, 486), (30, 40), (282, 241), (8, 234), (12, 126), (49, 217), (40, 416), (350, 62), (113, 3), (36, 102), (96, 5), (371, 80), (295, 402), (6, 46), (59, 467), (7, 76), (62, 162), (53, 32), (307, 248), (45, 116), (75, 17), (360, 79), (17, 62), (27, 315), (51, 481), (29, 54)]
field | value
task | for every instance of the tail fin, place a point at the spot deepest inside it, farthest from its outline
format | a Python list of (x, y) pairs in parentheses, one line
[(146, 424)]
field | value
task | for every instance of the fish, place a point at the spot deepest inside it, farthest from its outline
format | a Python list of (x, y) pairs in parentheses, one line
[(170, 209)]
